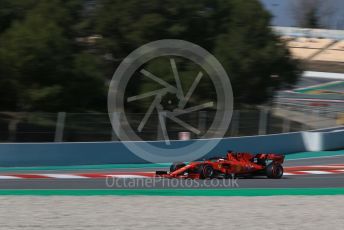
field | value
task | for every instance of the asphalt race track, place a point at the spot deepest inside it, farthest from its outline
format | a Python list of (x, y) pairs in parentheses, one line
[(290, 181)]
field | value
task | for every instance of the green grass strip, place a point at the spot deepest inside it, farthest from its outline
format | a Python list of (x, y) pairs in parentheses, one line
[(178, 192)]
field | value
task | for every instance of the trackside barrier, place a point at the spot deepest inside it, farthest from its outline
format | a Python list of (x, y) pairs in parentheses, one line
[(115, 152), (319, 140)]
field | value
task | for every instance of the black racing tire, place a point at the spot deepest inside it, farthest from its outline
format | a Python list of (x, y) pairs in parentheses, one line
[(206, 172), (176, 165), (274, 171)]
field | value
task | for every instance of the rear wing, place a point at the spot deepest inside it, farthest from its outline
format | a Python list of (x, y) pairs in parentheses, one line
[(278, 158)]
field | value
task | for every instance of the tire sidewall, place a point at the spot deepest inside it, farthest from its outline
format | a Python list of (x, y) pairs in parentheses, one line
[(207, 172), (274, 167)]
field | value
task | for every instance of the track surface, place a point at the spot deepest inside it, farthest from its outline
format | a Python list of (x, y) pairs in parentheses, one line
[(299, 181)]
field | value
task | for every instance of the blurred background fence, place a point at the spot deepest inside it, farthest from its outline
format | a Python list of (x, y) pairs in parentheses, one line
[(72, 127)]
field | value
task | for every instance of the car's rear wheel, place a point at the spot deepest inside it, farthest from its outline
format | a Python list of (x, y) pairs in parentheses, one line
[(274, 171), (206, 172), (177, 165)]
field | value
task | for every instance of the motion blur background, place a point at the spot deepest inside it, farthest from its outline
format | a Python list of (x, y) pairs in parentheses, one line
[(285, 60)]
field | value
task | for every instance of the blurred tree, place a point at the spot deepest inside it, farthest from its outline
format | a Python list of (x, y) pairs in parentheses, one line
[(40, 56), (45, 63), (11, 10), (254, 57), (236, 31)]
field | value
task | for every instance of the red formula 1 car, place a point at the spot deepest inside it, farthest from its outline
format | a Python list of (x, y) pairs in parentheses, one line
[(234, 164)]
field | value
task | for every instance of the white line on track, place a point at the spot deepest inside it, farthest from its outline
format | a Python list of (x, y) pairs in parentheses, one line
[(288, 174), (316, 172), (325, 166), (9, 177), (127, 176), (63, 176)]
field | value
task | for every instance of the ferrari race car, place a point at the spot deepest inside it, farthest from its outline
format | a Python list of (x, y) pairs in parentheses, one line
[(233, 165)]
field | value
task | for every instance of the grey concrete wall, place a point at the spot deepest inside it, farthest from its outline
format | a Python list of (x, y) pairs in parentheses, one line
[(45, 154), (324, 139)]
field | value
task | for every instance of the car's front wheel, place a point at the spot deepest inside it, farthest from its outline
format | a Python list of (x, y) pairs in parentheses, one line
[(206, 172)]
